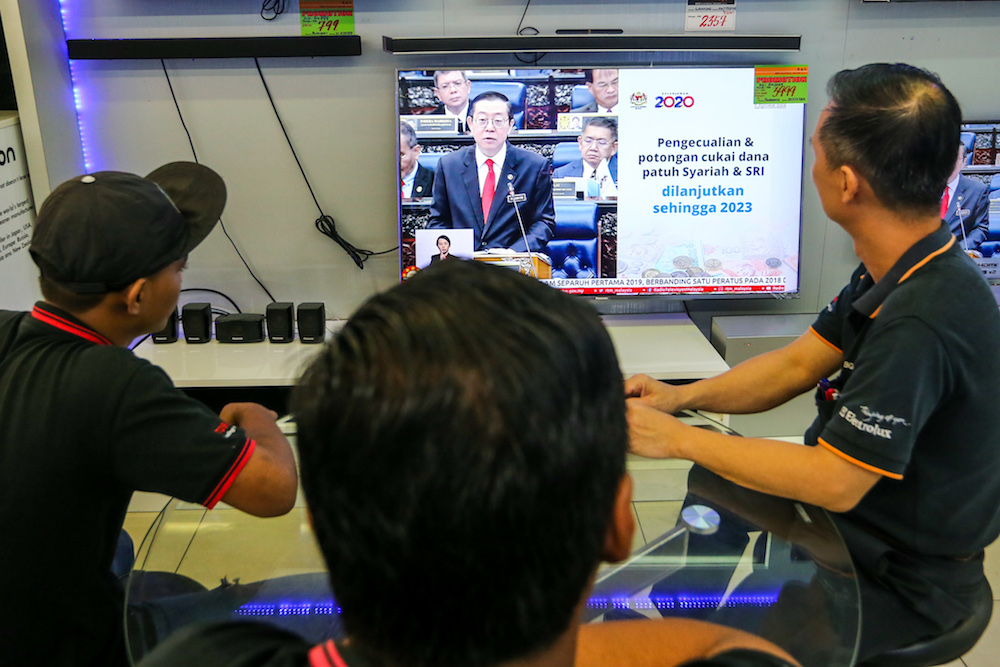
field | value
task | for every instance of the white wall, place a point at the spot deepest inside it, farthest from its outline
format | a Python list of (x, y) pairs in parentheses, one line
[(339, 112)]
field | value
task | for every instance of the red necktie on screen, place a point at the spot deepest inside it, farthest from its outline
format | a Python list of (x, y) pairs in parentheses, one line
[(401, 185), (944, 203), (489, 188)]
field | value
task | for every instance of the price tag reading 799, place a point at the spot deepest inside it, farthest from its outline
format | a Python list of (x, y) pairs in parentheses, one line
[(327, 17)]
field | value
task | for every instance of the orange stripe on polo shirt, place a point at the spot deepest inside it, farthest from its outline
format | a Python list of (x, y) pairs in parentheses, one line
[(816, 333), (860, 464), (951, 241), (929, 257)]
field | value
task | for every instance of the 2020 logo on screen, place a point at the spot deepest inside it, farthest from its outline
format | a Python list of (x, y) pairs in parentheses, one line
[(674, 102)]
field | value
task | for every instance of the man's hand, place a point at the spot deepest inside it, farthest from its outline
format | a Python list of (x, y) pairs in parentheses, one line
[(660, 395), (268, 482), (650, 431), (248, 416)]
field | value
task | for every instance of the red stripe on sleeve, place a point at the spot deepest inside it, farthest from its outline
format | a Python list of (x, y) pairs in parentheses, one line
[(234, 470), (326, 655)]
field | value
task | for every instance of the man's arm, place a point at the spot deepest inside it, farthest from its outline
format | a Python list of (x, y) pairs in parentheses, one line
[(662, 643), (268, 482), (758, 384), (815, 475)]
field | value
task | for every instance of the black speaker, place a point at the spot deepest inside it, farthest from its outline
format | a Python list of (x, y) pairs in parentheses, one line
[(311, 318), (167, 334), (279, 322), (240, 328), (196, 319)]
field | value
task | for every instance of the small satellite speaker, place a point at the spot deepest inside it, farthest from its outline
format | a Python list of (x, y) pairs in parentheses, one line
[(196, 319), (167, 334), (279, 322), (311, 318), (240, 328)]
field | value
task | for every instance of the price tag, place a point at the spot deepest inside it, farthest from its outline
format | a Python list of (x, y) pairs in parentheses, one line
[(327, 17), (780, 85), (710, 15)]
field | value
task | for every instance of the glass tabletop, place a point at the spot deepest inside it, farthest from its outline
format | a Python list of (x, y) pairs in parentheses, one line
[(766, 565)]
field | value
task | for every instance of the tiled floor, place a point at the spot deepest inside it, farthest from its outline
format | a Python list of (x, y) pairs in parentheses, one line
[(207, 546)]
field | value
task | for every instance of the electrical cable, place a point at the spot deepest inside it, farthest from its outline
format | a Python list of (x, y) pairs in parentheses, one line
[(325, 223), (213, 291), (275, 7), (525, 30), (195, 154), (521, 22), (136, 344)]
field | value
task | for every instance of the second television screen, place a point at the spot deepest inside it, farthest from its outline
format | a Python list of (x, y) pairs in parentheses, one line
[(627, 181)]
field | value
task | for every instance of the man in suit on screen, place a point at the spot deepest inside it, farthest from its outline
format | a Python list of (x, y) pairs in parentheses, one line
[(415, 180), (965, 206), (452, 88), (598, 157), (472, 185), (603, 85)]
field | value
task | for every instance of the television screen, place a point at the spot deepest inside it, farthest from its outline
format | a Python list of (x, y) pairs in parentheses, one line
[(971, 206), (672, 181)]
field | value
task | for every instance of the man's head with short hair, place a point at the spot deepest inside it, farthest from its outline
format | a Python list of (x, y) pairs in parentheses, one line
[(490, 118), (603, 85), (598, 140), (462, 444), (452, 87), (897, 126), (409, 148)]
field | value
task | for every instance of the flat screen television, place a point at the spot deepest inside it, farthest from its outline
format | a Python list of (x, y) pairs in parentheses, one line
[(637, 188)]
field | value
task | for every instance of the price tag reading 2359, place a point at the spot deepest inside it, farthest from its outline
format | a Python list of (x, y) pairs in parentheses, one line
[(327, 17), (710, 15)]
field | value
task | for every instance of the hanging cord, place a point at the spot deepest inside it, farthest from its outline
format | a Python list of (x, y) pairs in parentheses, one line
[(195, 154), (271, 9), (324, 223), (527, 30), (521, 22), (213, 291)]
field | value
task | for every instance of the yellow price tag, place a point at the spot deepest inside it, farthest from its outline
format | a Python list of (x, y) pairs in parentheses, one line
[(780, 85), (327, 17)]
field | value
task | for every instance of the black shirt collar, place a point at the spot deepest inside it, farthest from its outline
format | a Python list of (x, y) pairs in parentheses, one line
[(919, 254), (60, 319)]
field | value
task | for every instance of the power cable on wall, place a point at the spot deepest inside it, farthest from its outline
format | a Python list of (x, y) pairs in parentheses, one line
[(325, 223), (194, 153)]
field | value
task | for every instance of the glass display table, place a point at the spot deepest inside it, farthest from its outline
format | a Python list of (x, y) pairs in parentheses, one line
[(767, 565)]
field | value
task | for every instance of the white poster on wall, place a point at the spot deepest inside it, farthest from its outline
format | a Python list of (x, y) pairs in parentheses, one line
[(709, 180), (18, 275)]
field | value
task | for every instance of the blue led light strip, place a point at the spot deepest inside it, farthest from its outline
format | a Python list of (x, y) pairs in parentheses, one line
[(78, 100), (324, 608), (681, 601)]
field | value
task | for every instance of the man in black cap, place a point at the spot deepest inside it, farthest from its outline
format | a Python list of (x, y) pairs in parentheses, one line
[(84, 423)]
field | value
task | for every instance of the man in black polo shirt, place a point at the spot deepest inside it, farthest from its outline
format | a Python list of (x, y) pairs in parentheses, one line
[(906, 448), (83, 422)]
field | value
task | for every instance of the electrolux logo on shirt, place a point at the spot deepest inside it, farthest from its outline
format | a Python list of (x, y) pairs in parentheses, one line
[(873, 429)]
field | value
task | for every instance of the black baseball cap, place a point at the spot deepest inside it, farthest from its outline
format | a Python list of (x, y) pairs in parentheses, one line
[(101, 232)]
